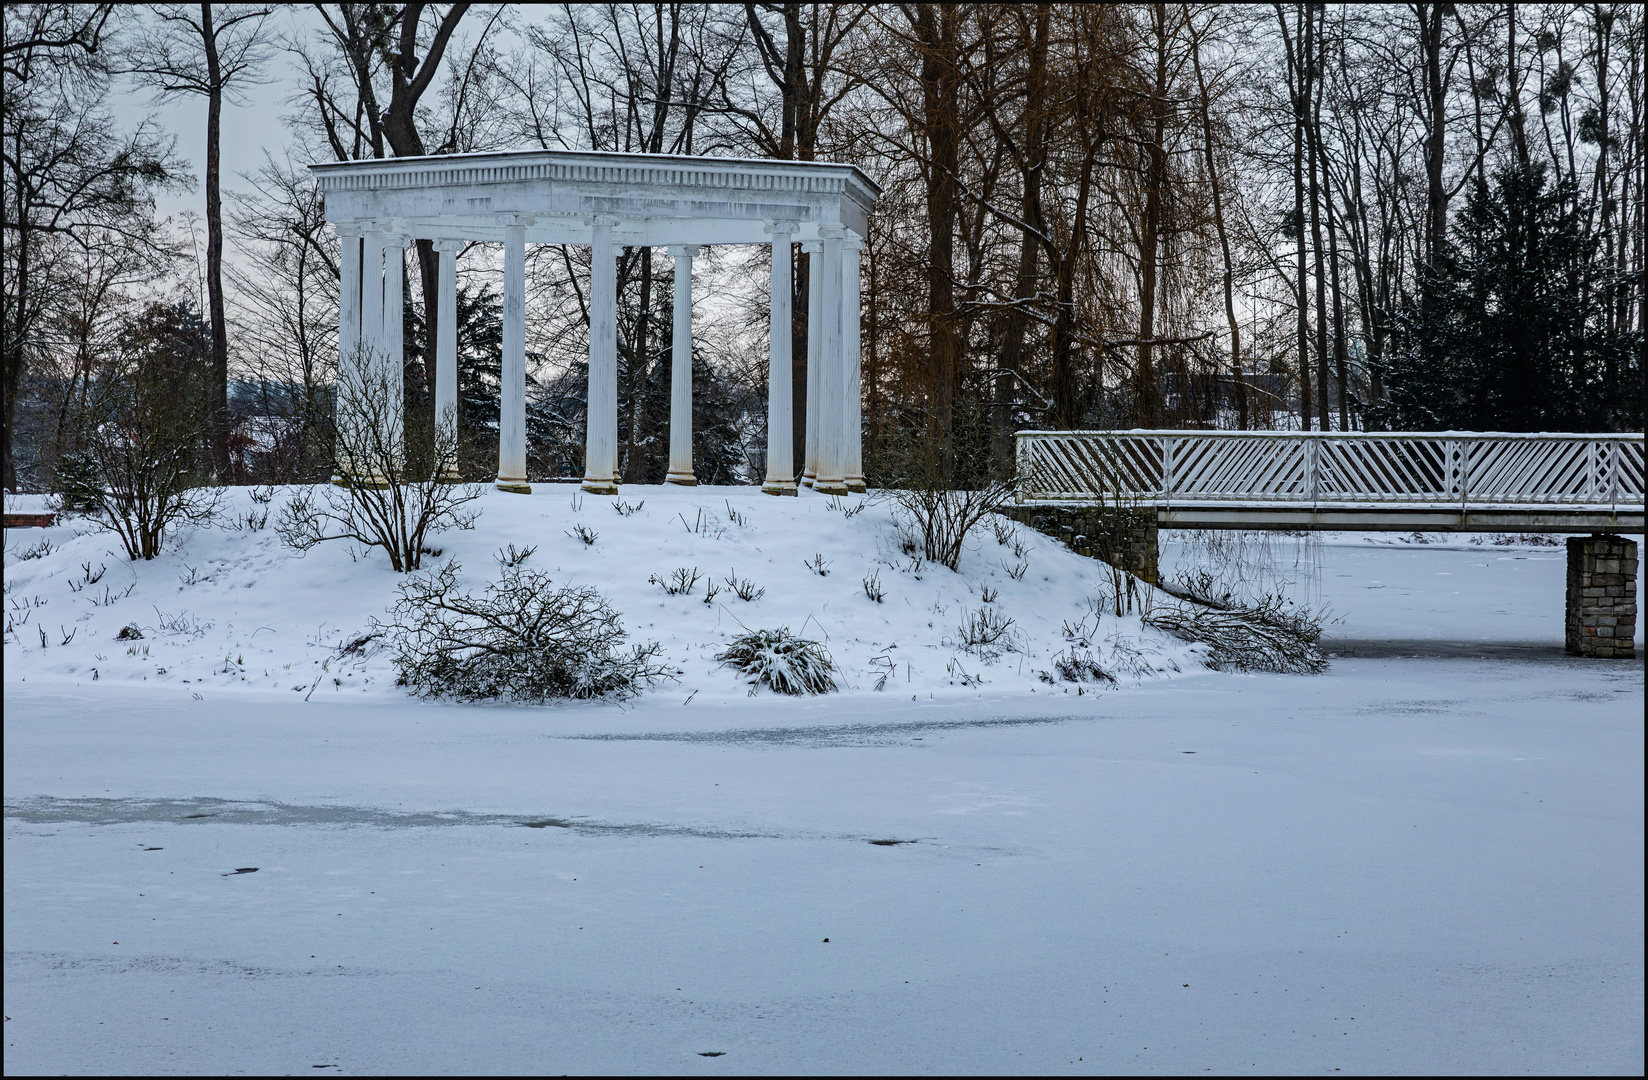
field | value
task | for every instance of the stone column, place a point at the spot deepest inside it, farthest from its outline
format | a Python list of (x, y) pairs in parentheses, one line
[(349, 325), (1602, 597), (390, 371), (852, 418), (446, 356), (371, 308), (780, 419), (601, 432), (815, 330), (680, 461), (831, 479), (512, 376), (355, 382)]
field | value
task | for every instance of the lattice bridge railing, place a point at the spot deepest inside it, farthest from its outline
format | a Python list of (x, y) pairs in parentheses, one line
[(1468, 471)]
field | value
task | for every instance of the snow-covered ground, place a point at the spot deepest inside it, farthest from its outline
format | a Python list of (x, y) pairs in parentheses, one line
[(227, 610), (1429, 859)]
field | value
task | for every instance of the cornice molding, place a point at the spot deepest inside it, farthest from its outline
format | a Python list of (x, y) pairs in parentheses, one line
[(662, 170)]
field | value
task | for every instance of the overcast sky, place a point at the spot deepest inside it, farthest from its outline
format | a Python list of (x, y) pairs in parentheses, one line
[(247, 128)]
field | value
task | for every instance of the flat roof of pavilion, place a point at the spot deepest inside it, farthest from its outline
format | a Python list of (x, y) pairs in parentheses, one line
[(657, 199)]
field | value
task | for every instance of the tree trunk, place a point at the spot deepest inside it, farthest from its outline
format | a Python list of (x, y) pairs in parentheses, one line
[(1318, 163), (1024, 288), (1436, 192), (1341, 362), (1238, 383), (635, 469), (218, 382), (1146, 393), (1302, 330), (937, 30)]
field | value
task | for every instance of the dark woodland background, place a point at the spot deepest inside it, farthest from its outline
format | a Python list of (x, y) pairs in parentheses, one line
[(1358, 217)]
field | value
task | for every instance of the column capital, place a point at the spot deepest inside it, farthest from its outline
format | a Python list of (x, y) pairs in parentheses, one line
[(353, 229), (447, 243), (685, 251), (396, 240), (852, 243), (519, 221), (602, 221), (781, 228), (811, 247), (832, 232)]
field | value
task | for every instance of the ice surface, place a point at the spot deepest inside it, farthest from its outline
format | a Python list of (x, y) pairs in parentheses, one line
[(1424, 862)]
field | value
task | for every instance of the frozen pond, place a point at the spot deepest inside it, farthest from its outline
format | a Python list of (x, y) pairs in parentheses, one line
[(1429, 859)]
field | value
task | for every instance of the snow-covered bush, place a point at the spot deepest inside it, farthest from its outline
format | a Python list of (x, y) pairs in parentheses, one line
[(520, 640), (1079, 666), (779, 659), (1264, 636)]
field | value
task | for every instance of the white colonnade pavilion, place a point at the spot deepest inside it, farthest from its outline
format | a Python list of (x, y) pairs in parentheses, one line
[(609, 201)]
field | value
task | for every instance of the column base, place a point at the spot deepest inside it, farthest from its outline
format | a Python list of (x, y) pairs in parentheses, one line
[(370, 483), (514, 487), (856, 485), (779, 487), (831, 487), (600, 487), (808, 478), (683, 479)]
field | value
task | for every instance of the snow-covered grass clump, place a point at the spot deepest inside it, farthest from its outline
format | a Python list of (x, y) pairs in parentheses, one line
[(229, 607)]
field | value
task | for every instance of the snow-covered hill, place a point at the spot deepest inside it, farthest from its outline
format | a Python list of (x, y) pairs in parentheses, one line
[(230, 608)]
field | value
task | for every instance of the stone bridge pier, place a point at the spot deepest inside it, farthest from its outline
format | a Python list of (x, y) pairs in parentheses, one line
[(1602, 596)]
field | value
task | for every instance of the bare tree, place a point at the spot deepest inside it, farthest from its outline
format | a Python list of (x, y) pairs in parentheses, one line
[(70, 174)]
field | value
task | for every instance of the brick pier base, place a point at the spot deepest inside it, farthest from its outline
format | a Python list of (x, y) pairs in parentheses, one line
[(1124, 538), (1602, 596)]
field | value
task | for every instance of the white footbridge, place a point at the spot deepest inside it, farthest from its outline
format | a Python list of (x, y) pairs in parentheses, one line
[(1445, 481)]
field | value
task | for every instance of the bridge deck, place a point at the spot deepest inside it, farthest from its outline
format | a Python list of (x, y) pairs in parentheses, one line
[(1395, 481)]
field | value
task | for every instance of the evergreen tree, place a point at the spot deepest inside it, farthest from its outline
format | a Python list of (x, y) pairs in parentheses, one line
[(1515, 337)]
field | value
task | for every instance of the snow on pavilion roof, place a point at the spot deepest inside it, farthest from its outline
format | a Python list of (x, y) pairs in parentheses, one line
[(656, 198)]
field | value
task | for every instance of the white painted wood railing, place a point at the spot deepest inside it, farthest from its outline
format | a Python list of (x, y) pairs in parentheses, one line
[(1434, 470)]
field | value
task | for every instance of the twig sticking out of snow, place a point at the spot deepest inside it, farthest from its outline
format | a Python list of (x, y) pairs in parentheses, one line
[(744, 588)]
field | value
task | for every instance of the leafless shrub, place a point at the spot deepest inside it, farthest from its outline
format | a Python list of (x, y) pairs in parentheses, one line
[(873, 587), (735, 517), (818, 564), (110, 596), (129, 632), (392, 492), (584, 533), (521, 640), (38, 551), (1016, 572), (509, 557), (626, 509), (182, 624), (986, 632), (744, 588), (839, 505), (780, 660), (679, 583), (1078, 666)]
